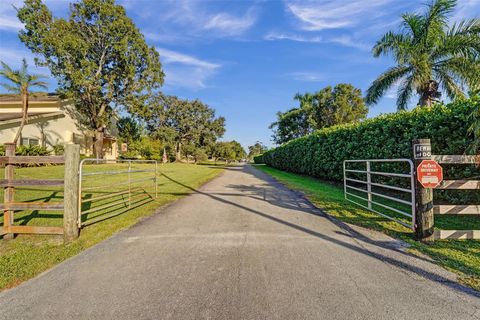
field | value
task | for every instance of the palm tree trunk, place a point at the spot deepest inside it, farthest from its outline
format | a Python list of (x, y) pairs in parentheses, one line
[(24, 116), (429, 94)]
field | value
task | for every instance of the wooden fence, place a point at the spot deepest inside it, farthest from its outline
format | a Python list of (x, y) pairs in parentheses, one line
[(473, 209), (68, 206)]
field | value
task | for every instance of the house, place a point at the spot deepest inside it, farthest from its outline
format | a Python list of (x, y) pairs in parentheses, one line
[(51, 121)]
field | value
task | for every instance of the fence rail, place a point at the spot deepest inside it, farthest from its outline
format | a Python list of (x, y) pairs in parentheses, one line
[(9, 205), (352, 197), (470, 209)]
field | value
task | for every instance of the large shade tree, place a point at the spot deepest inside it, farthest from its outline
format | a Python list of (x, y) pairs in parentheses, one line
[(431, 55), (189, 125), (98, 55), (324, 108), (21, 82)]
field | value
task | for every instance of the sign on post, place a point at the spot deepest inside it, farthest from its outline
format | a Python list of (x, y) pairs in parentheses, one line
[(422, 151), (429, 173)]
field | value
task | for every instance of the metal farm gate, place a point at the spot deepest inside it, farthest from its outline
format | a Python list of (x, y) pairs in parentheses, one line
[(368, 185), (108, 188)]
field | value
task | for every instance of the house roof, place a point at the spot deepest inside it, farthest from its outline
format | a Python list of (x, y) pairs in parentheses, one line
[(34, 97)]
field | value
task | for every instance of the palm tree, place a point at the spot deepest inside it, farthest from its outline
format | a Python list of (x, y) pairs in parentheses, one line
[(430, 55), (20, 83)]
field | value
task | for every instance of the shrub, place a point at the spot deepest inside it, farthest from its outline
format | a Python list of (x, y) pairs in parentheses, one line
[(2, 150), (32, 151), (258, 159), (322, 153), (58, 149)]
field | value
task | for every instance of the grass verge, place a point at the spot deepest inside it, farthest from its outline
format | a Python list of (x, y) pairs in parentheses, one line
[(28, 255), (459, 256)]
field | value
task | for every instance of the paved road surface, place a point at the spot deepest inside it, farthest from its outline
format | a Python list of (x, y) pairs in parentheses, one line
[(226, 253)]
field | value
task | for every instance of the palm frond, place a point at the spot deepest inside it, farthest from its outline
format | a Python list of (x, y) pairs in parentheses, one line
[(404, 93), (413, 24), (384, 82), (39, 84), (449, 84), (10, 88), (391, 43)]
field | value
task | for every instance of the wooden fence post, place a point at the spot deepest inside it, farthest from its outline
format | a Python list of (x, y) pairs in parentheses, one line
[(9, 192), (424, 224), (70, 216)]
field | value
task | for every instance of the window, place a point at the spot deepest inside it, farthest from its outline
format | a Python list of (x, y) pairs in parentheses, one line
[(30, 142)]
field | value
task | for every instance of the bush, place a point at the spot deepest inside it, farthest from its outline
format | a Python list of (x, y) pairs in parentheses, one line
[(322, 153), (258, 159), (58, 149), (2, 150), (32, 151)]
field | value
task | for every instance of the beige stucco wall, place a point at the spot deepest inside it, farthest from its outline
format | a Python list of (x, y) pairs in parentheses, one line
[(58, 129)]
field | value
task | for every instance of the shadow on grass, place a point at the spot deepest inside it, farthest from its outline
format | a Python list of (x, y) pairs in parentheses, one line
[(400, 264)]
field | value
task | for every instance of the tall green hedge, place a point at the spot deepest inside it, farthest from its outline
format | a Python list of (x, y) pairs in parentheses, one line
[(322, 153)]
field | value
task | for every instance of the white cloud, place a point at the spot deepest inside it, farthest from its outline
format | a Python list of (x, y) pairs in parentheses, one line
[(466, 9), (184, 19), (344, 40), (307, 76), (231, 25), (169, 56), (348, 41), (8, 16), (315, 15), (184, 70), (292, 37)]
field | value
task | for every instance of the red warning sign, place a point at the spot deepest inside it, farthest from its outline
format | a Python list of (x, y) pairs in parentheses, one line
[(429, 173)]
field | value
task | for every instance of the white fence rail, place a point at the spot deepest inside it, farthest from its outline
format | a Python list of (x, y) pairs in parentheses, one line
[(364, 187)]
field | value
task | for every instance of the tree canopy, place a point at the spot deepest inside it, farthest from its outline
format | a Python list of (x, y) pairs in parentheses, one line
[(430, 54), (327, 107), (256, 149), (97, 54), (189, 125)]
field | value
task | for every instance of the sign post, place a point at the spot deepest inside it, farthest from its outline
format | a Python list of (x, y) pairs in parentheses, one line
[(424, 227)]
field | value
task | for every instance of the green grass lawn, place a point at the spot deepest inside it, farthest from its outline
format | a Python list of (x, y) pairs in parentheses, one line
[(28, 255), (460, 256)]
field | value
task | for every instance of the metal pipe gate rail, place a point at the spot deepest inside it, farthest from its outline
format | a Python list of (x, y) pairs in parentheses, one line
[(109, 191), (369, 184)]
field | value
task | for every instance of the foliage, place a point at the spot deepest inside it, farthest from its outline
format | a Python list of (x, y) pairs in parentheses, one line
[(2, 150), (97, 54), (327, 107), (259, 159), (58, 149), (385, 137), (30, 150), (429, 54), (257, 149), (20, 82), (182, 123), (129, 130), (228, 151), (144, 148), (474, 117)]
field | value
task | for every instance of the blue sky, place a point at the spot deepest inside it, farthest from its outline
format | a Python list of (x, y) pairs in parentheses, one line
[(247, 59)]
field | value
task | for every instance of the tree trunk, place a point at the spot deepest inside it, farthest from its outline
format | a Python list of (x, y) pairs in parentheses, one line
[(179, 152), (24, 116), (98, 144), (429, 95)]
